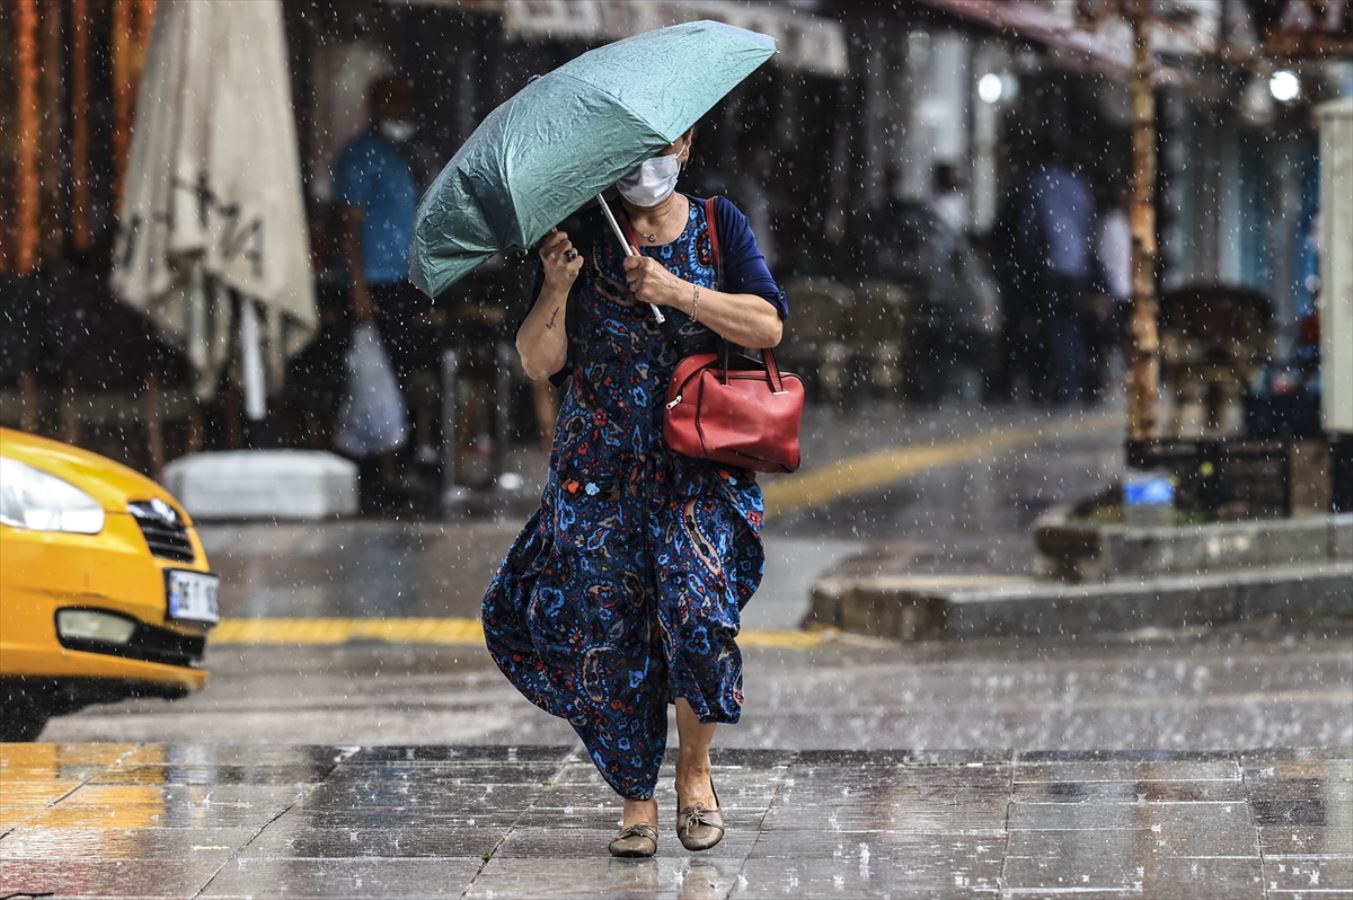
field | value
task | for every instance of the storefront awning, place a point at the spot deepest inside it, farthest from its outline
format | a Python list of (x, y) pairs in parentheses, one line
[(811, 43), (1042, 24), (1181, 30), (806, 42)]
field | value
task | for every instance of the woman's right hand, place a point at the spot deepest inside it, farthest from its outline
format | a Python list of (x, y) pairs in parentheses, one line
[(561, 260)]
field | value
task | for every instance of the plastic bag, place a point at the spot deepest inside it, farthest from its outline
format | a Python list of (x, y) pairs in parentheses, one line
[(371, 419)]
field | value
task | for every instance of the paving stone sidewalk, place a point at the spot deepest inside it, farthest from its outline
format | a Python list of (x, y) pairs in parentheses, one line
[(242, 820)]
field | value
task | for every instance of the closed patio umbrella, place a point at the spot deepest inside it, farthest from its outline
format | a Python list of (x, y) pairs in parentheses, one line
[(212, 202)]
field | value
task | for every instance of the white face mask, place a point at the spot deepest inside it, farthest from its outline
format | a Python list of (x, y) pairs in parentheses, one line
[(651, 182), (398, 130)]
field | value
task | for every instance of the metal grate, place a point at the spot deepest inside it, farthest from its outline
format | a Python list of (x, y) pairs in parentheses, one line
[(164, 530)]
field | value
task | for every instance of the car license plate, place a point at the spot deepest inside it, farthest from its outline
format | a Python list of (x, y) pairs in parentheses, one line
[(193, 596)]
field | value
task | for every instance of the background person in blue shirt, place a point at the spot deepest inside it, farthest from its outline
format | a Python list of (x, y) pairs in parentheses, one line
[(377, 183), (1057, 226)]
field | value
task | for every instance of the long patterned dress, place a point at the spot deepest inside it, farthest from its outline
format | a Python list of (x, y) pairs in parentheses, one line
[(624, 590)]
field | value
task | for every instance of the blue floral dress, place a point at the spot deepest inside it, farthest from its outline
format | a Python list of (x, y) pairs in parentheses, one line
[(624, 589)]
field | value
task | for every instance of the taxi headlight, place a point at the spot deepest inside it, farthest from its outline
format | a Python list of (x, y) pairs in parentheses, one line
[(92, 625), (32, 499)]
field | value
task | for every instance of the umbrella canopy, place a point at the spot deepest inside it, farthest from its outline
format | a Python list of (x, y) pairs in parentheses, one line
[(569, 135), (212, 195)]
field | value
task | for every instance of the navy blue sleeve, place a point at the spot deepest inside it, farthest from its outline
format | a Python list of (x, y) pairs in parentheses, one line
[(744, 265)]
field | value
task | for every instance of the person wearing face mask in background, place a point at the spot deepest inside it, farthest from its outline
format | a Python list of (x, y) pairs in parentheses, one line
[(623, 593), (377, 185)]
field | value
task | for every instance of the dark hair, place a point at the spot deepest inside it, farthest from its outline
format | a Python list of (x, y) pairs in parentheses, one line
[(389, 88), (944, 178)]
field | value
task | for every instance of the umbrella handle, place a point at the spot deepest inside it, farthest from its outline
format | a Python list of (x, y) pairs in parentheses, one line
[(629, 251)]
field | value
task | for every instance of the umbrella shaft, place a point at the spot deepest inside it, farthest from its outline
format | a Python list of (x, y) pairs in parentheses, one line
[(629, 251)]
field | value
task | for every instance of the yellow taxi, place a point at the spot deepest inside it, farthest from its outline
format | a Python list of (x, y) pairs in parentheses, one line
[(105, 592)]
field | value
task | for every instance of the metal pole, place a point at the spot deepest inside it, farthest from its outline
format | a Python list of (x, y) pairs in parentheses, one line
[(1144, 359), (453, 493), (51, 146), (252, 376), (502, 406), (122, 90), (27, 182), (81, 236)]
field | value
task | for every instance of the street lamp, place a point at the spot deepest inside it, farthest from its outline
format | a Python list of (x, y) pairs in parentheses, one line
[(996, 87), (990, 88), (1284, 85)]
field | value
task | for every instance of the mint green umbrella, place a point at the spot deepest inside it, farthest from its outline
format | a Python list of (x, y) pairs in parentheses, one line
[(568, 136)]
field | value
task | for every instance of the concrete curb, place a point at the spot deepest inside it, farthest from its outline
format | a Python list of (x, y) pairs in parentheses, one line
[(910, 608), (1081, 552)]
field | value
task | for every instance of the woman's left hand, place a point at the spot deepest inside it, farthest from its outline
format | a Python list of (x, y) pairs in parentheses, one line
[(650, 282)]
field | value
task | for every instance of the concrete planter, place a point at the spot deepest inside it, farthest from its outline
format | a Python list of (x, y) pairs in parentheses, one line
[(1084, 552), (1113, 578), (918, 608), (251, 485)]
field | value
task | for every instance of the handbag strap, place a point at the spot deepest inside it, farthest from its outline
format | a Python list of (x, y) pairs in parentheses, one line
[(767, 357), (712, 228)]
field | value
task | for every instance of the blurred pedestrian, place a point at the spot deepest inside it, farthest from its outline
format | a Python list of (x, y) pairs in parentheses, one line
[(478, 315), (1105, 316), (1010, 364), (941, 326), (624, 591), (947, 199), (1056, 235), (377, 189)]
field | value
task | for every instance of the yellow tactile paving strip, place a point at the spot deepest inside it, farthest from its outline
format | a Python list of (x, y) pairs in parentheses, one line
[(447, 631), (857, 474)]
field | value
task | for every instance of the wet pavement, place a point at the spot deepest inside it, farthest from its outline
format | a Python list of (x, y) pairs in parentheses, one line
[(952, 501), (391, 768), (1260, 685), (244, 820), (1253, 686)]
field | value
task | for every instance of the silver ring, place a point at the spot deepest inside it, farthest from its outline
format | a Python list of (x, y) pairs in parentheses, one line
[(570, 255)]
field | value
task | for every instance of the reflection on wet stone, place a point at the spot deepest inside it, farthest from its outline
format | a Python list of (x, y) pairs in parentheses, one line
[(1113, 867), (149, 842), (209, 774), (106, 877), (1311, 875), (1129, 791), (176, 820), (1128, 770), (1307, 840), (301, 841), (263, 877)]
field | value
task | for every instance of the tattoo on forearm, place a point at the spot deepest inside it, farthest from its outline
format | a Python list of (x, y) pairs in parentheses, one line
[(550, 324)]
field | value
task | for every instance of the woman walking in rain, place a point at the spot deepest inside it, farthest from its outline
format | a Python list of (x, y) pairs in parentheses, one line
[(623, 592)]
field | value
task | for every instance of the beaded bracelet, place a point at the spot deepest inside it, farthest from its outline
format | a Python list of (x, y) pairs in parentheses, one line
[(695, 301)]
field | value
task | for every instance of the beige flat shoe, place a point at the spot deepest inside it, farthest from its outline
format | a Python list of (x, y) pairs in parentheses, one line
[(639, 839), (699, 827)]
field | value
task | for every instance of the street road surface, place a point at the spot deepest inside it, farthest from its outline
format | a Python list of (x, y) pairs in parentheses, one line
[(953, 488)]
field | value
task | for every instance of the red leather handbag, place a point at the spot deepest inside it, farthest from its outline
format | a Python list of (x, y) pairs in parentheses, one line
[(746, 417), (741, 417)]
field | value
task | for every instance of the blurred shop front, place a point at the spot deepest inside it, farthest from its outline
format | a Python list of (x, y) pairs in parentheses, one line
[(1237, 181), (825, 149), (463, 59), (77, 365)]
